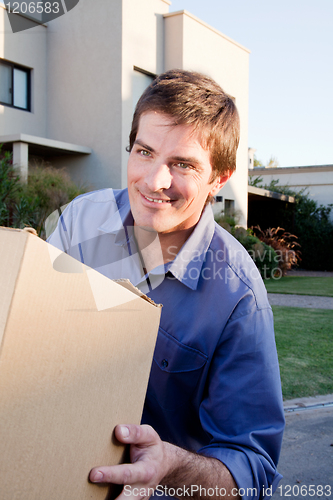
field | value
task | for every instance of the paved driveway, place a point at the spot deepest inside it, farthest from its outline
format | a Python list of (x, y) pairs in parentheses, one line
[(306, 461), (307, 301)]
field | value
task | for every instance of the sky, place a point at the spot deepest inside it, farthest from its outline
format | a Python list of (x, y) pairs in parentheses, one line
[(291, 72)]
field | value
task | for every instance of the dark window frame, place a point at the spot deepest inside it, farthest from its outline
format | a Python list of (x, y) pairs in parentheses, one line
[(13, 66), (229, 206)]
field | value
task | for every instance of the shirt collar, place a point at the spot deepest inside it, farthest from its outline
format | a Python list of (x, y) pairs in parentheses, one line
[(121, 222), (186, 267)]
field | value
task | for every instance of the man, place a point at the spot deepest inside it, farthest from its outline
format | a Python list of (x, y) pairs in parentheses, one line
[(213, 417)]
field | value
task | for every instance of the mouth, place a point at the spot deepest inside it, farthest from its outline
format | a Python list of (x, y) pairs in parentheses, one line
[(156, 200)]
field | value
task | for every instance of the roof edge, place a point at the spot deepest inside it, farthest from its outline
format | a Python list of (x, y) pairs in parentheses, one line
[(270, 194), (192, 16)]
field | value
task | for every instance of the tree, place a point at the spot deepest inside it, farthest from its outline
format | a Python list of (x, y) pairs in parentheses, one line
[(256, 162), (255, 181), (273, 162)]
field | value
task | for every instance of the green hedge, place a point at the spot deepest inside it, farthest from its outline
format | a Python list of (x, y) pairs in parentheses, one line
[(30, 204), (311, 223), (263, 255)]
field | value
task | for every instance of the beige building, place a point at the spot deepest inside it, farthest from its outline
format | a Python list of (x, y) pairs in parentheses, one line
[(69, 87), (317, 180)]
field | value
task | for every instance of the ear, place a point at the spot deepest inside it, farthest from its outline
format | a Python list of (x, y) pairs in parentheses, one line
[(219, 182)]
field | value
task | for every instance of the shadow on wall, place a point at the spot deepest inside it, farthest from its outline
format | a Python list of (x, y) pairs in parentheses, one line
[(24, 15)]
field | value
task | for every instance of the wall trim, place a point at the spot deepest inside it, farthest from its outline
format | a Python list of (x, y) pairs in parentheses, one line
[(188, 14)]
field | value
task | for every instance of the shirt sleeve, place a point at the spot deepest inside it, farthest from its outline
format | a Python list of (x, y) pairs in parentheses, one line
[(62, 236), (243, 411)]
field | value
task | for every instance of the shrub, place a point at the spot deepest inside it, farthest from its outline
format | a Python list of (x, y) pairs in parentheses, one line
[(311, 224), (47, 190), (315, 233), (263, 255), (284, 244), (227, 221), (9, 189), (29, 204)]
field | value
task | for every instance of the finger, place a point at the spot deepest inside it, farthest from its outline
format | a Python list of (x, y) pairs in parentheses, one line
[(139, 472), (136, 434)]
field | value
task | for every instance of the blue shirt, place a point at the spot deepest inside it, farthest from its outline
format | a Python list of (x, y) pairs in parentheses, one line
[(214, 385)]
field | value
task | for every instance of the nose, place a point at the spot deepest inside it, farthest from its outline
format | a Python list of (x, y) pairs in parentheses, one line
[(158, 177)]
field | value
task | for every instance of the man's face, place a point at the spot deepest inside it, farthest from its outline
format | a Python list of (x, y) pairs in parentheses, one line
[(169, 175)]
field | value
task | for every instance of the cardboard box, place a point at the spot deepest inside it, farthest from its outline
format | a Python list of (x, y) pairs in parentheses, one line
[(75, 356)]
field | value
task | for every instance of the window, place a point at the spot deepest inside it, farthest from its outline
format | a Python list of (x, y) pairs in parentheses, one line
[(141, 80), (229, 207), (14, 85)]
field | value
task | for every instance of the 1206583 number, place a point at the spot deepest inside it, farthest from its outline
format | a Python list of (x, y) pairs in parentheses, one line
[(304, 490), (33, 7)]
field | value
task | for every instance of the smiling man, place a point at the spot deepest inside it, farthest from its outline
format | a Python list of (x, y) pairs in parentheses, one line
[(169, 179), (213, 419)]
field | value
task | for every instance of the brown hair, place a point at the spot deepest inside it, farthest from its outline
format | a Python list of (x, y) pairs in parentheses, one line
[(197, 100)]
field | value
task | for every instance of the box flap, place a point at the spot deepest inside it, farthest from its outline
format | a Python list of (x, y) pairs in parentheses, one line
[(127, 284)]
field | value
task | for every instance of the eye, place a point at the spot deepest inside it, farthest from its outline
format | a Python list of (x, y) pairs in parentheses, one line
[(183, 166), (144, 152)]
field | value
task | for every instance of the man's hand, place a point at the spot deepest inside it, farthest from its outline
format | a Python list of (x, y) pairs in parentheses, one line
[(149, 461), (155, 462)]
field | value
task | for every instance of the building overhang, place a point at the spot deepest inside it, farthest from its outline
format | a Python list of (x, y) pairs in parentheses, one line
[(264, 207), (24, 146), (41, 146), (260, 193)]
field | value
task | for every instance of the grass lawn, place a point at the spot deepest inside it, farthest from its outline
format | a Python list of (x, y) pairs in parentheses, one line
[(301, 285), (304, 339)]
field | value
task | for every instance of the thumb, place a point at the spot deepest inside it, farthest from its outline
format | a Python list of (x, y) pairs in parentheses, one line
[(136, 434)]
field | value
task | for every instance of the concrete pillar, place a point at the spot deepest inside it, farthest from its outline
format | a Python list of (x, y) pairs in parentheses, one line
[(251, 157), (20, 159)]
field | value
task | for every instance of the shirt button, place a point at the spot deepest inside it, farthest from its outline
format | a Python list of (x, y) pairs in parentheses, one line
[(165, 363)]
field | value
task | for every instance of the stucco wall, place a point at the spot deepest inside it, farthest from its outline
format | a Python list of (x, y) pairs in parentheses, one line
[(84, 89), (27, 48), (318, 180), (143, 47), (193, 45), (96, 59)]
